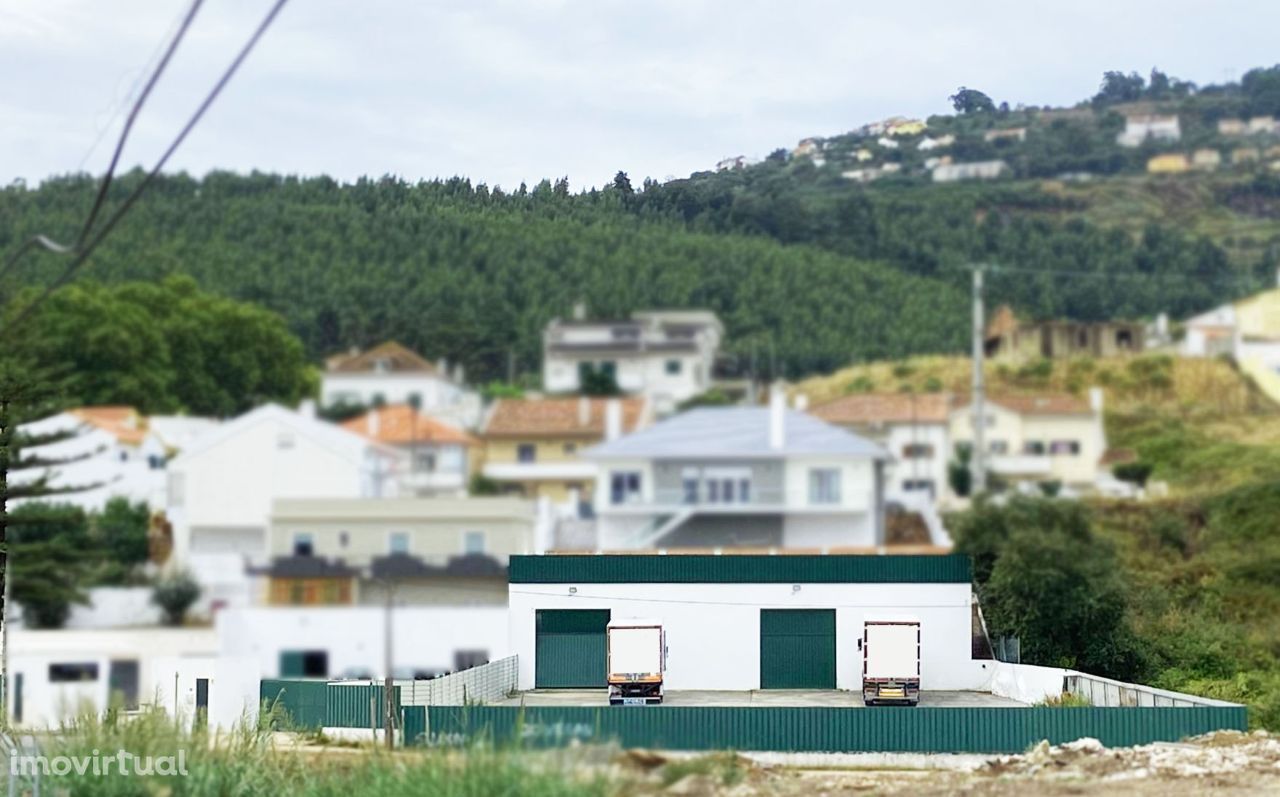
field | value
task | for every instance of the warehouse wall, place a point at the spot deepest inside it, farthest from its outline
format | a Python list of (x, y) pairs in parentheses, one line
[(713, 630)]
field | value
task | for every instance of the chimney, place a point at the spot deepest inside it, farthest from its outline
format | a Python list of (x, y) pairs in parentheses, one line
[(579, 311), (584, 410), (459, 374), (307, 409), (373, 422), (1095, 399), (1162, 326), (442, 366), (800, 402), (777, 418), (612, 419)]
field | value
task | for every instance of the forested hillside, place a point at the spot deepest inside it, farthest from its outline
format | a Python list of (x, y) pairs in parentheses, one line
[(810, 271)]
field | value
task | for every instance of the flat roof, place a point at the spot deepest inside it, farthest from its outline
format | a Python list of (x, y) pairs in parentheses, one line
[(740, 569)]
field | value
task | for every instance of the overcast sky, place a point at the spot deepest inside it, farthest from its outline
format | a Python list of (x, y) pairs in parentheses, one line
[(508, 90)]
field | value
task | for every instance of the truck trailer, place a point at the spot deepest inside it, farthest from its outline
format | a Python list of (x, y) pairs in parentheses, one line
[(891, 662), (636, 661)]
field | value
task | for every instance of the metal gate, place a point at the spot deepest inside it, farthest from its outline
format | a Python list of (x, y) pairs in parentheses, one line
[(569, 651), (797, 649)]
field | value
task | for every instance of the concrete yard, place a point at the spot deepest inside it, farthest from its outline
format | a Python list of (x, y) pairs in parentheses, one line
[(769, 697)]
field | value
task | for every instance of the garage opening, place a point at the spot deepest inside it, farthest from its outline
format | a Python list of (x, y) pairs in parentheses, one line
[(569, 650), (797, 648)]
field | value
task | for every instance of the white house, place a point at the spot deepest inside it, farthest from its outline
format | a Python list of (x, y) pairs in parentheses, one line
[(975, 170), (914, 428), (1248, 330), (393, 374), (739, 476), (742, 622), (114, 452), (665, 355), (440, 456), (221, 489), (1139, 128)]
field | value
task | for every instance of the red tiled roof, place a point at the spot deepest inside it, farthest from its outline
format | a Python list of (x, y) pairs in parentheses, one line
[(398, 424), (1043, 404), (123, 423), (886, 408), (399, 359), (550, 417)]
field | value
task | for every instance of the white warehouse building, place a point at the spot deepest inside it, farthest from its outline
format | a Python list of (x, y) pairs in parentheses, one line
[(742, 622)]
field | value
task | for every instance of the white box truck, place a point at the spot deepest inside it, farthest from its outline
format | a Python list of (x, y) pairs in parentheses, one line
[(891, 662), (637, 658)]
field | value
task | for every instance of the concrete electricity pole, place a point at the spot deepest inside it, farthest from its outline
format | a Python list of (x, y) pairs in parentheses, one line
[(978, 457), (388, 683)]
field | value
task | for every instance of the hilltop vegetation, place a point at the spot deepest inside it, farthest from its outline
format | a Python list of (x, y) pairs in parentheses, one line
[(808, 270)]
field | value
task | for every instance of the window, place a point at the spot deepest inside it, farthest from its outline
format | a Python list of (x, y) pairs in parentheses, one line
[(414, 400), (304, 664), (526, 452), (155, 462), (473, 543), (73, 671), (398, 542), (917, 451), (1064, 447), (584, 373), (124, 456), (424, 461), (999, 447), (466, 659), (609, 368), (673, 367), (726, 490), (570, 448), (624, 487), (713, 491), (744, 490), (824, 486), (1034, 448), (303, 544), (918, 485), (690, 485), (344, 539)]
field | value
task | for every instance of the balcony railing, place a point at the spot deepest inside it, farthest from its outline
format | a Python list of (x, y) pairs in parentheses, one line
[(754, 497)]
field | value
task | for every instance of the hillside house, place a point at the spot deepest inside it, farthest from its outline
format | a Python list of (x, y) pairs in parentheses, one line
[(223, 486), (1245, 156), (871, 173), (667, 356), (1206, 159), (1248, 330), (532, 446), (1140, 128), (1043, 438), (807, 148), (394, 374), (1018, 134), (926, 144), (1232, 127), (862, 155), (1011, 338), (1263, 125), (731, 164), (439, 455), (975, 170), (887, 143), (739, 476), (115, 452), (912, 427), (1169, 163), (905, 127)]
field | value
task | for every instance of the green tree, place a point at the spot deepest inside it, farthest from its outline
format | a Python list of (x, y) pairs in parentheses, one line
[(969, 101), (175, 594), (120, 530), (53, 559)]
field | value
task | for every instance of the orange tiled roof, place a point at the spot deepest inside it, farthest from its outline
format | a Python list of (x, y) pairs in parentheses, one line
[(1042, 404), (400, 359), (552, 417), (886, 408), (398, 424), (121, 422)]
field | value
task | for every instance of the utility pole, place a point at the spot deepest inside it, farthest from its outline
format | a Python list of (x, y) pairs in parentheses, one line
[(388, 683), (978, 457)]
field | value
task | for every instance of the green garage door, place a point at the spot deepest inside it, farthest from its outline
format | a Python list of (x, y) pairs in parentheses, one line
[(797, 648), (570, 648)]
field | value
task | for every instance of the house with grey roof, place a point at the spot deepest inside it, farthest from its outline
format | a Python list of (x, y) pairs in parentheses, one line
[(740, 477), (665, 355)]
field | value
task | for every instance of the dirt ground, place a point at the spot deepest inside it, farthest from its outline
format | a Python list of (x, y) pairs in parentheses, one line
[(1221, 763)]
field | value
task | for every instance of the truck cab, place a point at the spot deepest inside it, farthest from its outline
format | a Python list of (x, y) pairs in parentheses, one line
[(636, 661)]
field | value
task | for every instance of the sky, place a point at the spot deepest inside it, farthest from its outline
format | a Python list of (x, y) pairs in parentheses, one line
[(505, 91)]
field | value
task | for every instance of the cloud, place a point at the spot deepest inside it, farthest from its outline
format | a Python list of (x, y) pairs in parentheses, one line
[(510, 90)]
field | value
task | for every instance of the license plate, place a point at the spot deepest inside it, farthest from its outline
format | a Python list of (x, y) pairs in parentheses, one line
[(633, 701), (893, 693)]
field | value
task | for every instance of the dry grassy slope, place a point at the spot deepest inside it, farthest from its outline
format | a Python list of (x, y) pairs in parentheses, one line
[(1209, 394)]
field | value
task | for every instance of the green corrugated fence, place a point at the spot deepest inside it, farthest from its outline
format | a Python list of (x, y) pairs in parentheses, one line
[(355, 706), (304, 702), (413, 722), (906, 730)]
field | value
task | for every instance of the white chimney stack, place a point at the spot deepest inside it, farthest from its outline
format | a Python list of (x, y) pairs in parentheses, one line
[(612, 419), (307, 409), (1095, 399), (373, 422), (777, 418), (584, 410)]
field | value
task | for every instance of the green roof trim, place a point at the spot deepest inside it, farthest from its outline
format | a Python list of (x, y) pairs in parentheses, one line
[(740, 569)]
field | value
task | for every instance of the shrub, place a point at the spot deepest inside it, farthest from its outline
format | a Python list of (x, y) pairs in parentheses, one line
[(1133, 472), (1065, 700), (175, 594)]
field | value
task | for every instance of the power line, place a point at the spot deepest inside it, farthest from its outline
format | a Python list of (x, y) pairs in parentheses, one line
[(1054, 272), (82, 255), (43, 242)]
